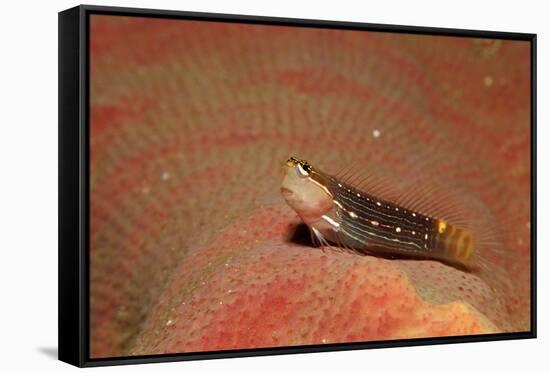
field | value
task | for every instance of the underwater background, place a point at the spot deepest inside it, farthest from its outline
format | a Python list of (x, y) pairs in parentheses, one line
[(190, 239)]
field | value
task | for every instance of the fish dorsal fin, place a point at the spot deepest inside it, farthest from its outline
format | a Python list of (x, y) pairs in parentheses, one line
[(415, 193), (435, 200), (369, 180)]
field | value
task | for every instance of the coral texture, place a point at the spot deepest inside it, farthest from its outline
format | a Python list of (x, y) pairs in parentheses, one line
[(192, 246)]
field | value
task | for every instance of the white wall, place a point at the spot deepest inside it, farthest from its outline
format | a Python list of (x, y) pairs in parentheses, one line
[(28, 184)]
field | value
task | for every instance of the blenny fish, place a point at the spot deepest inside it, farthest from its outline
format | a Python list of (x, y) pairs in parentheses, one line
[(340, 214)]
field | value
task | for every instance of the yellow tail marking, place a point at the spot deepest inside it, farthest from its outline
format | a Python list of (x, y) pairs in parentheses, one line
[(467, 243), (450, 244), (458, 242)]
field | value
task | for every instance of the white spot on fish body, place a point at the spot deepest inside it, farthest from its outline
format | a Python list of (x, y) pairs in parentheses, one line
[(398, 229), (165, 176), (376, 133), (488, 81)]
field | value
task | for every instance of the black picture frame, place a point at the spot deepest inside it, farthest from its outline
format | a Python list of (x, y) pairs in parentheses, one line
[(74, 345)]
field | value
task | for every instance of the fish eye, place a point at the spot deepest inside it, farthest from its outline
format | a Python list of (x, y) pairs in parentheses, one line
[(303, 170)]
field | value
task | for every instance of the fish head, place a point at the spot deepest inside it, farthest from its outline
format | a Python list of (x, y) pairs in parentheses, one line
[(304, 189)]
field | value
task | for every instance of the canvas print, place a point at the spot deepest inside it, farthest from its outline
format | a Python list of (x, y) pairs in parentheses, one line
[(259, 186)]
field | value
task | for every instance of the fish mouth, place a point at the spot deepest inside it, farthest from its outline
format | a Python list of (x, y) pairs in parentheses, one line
[(286, 192)]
